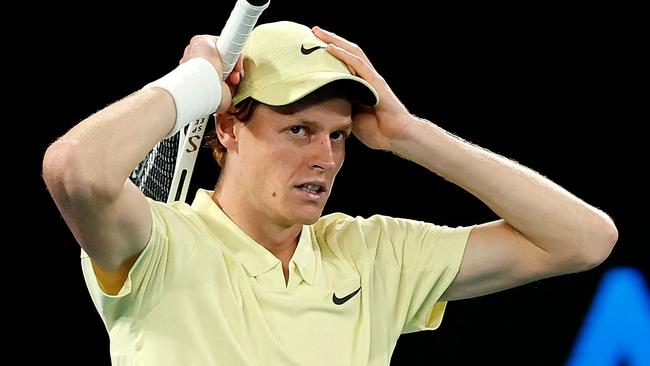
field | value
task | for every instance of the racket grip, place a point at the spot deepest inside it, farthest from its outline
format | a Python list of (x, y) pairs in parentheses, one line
[(236, 31)]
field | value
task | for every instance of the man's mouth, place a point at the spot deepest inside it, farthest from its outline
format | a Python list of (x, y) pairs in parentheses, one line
[(312, 187)]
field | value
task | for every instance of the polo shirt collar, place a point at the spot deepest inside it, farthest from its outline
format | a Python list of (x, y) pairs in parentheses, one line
[(253, 256), (305, 255)]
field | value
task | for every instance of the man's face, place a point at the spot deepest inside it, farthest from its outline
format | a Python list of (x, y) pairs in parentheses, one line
[(287, 163)]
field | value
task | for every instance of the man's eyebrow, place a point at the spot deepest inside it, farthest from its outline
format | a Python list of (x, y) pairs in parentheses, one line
[(317, 126)]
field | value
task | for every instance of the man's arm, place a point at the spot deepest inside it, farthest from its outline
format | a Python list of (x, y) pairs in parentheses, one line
[(86, 170), (544, 231)]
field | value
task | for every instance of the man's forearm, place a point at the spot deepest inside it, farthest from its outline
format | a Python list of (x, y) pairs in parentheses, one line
[(102, 150), (549, 216)]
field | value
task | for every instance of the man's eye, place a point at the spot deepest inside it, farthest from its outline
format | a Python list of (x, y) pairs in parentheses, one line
[(339, 136), (298, 130)]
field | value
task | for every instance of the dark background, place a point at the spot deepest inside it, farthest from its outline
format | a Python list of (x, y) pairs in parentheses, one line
[(554, 88)]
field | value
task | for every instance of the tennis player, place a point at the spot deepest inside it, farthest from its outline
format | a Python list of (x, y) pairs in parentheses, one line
[(250, 273)]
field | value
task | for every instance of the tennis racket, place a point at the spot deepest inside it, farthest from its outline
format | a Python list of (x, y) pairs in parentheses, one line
[(165, 173)]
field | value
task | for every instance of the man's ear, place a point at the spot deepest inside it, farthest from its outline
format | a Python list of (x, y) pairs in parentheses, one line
[(226, 131)]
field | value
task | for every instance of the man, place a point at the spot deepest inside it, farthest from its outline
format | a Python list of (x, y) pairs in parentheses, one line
[(251, 273)]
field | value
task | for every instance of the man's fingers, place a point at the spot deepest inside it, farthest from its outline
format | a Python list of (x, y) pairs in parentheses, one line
[(234, 77), (331, 37), (239, 66), (358, 64)]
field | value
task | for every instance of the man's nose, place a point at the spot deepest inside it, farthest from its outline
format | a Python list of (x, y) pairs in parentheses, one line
[(323, 154)]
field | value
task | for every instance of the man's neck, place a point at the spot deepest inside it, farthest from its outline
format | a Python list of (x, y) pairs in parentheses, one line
[(280, 240)]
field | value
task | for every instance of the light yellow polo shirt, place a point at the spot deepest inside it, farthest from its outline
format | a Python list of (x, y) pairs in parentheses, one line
[(204, 293)]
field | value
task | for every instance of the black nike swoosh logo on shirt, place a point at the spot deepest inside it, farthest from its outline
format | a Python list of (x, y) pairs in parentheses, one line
[(306, 51), (342, 300)]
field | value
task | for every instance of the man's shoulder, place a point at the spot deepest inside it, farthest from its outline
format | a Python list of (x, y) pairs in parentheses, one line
[(373, 225), (356, 236), (334, 217), (336, 220), (341, 222), (174, 212), (340, 217)]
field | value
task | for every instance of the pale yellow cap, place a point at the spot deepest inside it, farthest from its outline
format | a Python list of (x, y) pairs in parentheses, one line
[(284, 61)]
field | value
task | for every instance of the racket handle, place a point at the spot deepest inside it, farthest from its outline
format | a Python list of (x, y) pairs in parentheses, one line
[(235, 33)]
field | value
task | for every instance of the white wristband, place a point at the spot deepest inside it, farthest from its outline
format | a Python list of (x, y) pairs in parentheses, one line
[(196, 88)]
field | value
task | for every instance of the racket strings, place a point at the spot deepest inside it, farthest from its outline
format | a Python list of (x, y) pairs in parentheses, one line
[(154, 173)]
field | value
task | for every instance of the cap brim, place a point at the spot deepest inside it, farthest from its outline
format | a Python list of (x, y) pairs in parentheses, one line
[(290, 90)]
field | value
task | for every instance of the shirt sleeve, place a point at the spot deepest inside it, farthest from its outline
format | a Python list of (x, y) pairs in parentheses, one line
[(415, 262), (158, 265)]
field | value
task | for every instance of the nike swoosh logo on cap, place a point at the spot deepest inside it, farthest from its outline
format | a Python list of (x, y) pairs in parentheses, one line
[(306, 51), (342, 300)]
